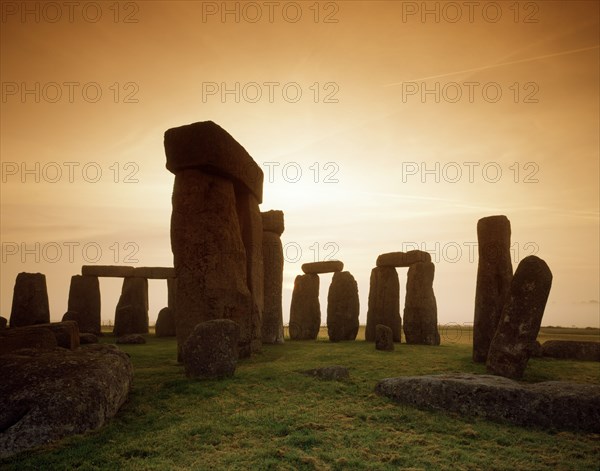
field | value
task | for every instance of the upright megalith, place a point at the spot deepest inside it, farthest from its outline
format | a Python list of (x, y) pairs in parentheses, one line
[(420, 308), (216, 231), (272, 249), (521, 318), (384, 302), (342, 307), (131, 315), (84, 303), (30, 300), (494, 274), (305, 311)]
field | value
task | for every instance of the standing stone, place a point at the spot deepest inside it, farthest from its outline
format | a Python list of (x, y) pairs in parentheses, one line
[(305, 311), (165, 323), (171, 292), (342, 307), (84, 302), (272, 321), (384, 338), (494, 274), (3, 323), (420, 308), (384, 302), (521, 318), (131, 316), (30, 300)]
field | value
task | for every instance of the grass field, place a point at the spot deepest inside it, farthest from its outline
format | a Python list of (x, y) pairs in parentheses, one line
[(271, 417)]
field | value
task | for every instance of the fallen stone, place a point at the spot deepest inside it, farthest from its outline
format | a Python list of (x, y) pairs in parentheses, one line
[(329, 373), (402, 259), (330, 266), (131, 315), (131, 339), (384, 302), (165, 323), (305, 311), (30, 300), (521, 318), (494, 274), (342, 307), (48, 395), (84, 303), (384, 338), (420, 308), (273, 221), (211, 351), (26, 337), (110, 271), (66, 335), (571, 350), (154, 273), (86, 338), (272, 321), (552, 404)]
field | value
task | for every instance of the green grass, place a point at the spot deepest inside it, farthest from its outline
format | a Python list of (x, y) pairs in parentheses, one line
[(268, 416)]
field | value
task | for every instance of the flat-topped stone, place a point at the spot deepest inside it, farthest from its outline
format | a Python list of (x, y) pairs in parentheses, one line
[(330, 266), (111, 271), (273, 221), (208, 147), (154, 273), (402, 259)]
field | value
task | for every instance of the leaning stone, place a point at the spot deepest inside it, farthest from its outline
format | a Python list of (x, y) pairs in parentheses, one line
[(553, 404), (420, 308), (330, 266), (165, 323), (85, 339), (154, 273), (3, 323), (572, 350), (521, 318), (48, 395), (26, 337), (384, 302), (110, 271), (342, 307), (384, 338), (272, 321), (329, 373), (131, 316), (131, 339), (211, 351), (402, 259), (305, 311), (84, 303), (494, 273), (30, 300), (273, 221)]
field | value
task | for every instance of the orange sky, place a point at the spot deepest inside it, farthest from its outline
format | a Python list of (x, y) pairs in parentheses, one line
[(386, 89)]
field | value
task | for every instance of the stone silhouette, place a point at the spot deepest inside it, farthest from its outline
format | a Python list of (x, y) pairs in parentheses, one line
[(521, 318), (342, 307), (131, 316), (384, 302), (272, 321), (420, 308), (402, 259), (30, 300), (329, 266), (494, 274), (109, 271), (305, 311), (84, 303), (3, 323), (384, 338), (165, 323), (216, 231)]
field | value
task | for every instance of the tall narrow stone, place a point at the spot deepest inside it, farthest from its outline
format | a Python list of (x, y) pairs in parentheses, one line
[(272, 321), (420, 308), (521, 318), (342, 307), (494, 274), (305, 311), (84, 303), (30, 300), (131, 316), (384, 302)]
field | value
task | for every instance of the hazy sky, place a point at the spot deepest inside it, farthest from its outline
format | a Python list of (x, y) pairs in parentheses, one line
[(380, 126)]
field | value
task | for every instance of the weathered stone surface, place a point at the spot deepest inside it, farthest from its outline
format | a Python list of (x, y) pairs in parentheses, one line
[(154, 273), (330, 266), (552, 404), (494, 273), (84, 303), (273, 221), (402, 259), (342, 307), (3, 323), (384, 338), (110, 271), (30, 300), (131, 339), (66, 333), (521, 318), (272, 321), (26, 337), (329, 373), (571, 349), (131, 316), (211, 351), (165, 323), (209, 257), (48, 395), (208, 147), (86, 338), (305, 311), (384, 302), (171, 292), (420, 308)]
